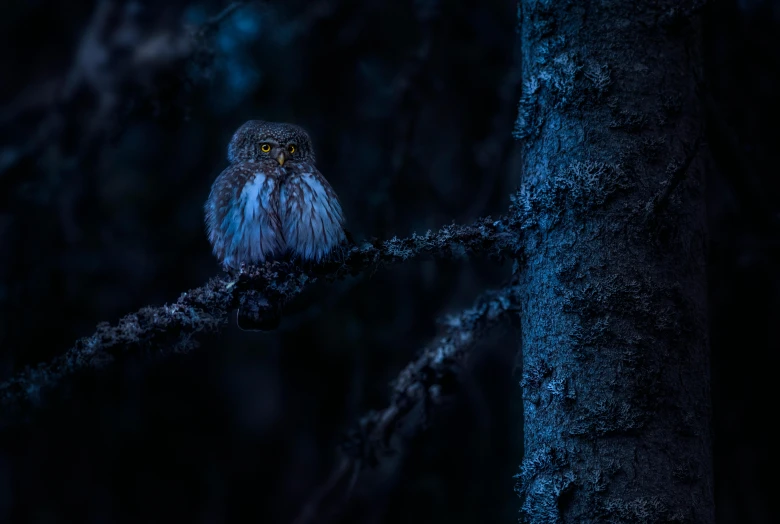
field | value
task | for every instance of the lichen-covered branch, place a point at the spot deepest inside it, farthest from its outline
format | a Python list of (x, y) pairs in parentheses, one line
[(175, 328), (421, 383)]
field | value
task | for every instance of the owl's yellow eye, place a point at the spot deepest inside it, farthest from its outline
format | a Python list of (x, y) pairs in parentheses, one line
[(291, 148), (265, 148)]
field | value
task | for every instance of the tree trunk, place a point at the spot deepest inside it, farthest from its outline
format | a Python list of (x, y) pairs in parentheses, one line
[(615, 351)]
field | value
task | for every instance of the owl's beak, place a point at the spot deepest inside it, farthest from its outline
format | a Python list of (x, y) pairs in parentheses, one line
[(281, 158)]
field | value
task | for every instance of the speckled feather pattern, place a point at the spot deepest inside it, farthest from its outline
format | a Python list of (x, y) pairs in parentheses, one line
[(312, 220), (259, 210)]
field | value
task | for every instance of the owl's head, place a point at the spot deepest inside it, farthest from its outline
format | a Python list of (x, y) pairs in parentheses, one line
[(259, 141)]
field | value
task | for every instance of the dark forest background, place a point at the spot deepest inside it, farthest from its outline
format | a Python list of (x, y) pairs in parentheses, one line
[(113, 125)]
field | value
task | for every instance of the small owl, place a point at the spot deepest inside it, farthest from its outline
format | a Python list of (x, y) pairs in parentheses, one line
[(271, 200)]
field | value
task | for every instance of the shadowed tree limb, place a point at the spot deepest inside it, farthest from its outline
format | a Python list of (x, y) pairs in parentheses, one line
[(213, 22), (422, 383), (152, 52), (176, 328)]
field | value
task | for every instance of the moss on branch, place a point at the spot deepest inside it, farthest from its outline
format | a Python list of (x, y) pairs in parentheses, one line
[(177, 327)]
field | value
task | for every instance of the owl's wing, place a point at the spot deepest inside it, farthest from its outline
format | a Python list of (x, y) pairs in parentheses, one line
[(312, 219), (242, 215)]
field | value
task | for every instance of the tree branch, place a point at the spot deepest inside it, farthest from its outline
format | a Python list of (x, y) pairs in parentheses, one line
[(176, 328), (422, 383), (214, 22), (153, 51)]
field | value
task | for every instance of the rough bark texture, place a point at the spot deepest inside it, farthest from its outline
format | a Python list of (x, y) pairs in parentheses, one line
[(612, 294)]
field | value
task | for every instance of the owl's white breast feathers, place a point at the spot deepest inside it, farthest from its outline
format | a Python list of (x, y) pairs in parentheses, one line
[(242, 216), (256, 198), (258, 236), (312, 218), (257, 213)]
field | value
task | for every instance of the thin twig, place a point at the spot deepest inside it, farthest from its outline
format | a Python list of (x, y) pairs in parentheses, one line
[(213, 23), (347, 466)]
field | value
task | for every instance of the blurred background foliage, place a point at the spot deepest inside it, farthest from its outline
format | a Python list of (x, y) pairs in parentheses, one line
[(114, 121)]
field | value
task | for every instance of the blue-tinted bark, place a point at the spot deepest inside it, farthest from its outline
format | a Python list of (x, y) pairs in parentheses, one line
[(616, 369)]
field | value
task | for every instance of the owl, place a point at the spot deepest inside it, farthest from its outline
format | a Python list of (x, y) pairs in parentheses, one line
[(271, 201)]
